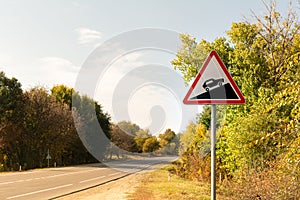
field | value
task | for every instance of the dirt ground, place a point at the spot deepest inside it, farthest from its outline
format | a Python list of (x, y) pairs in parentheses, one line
[(115, 190)]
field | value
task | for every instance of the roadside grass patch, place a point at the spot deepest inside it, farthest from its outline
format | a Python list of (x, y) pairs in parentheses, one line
[(155, 185)]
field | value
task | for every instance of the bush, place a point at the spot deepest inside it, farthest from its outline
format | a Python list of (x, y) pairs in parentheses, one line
[(278, 182)]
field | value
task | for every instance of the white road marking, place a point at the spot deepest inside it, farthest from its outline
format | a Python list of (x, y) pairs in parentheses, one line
[(59, 168), (14, 173), (114, 174), (137, 168), (92, 179), (44, 177), (39, 191), (5, 183)]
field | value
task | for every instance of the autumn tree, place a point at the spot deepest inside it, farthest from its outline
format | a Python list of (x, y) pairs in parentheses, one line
[(150, 145), (166, 137), (128, 127), (11, 120), (95, 127), (121, 141), (187, 137), (49, 124), (63, 94), (35, 121), (168, 142), (140, 138), (263, 58)]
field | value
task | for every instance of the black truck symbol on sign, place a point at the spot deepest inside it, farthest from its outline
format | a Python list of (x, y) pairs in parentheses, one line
[(210, 83)]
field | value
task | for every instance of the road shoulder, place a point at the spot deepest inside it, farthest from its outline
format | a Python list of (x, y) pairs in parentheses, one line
[(118, 189)]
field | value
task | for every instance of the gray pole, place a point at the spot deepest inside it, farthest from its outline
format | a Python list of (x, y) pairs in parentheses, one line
[(48, 158), (213, 152)]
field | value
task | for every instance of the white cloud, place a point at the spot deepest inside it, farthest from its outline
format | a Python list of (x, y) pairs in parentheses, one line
[(44, 71), (55, 70), (5, 58), (60, 64), (88, 36), (113, 74)]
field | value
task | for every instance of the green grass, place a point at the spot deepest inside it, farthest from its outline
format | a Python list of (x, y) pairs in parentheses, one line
[(155, 185)]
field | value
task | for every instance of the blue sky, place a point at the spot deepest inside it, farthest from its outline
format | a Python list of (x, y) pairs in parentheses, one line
[(46, 42)]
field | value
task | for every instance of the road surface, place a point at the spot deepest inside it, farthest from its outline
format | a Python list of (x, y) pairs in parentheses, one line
[(56, 182)]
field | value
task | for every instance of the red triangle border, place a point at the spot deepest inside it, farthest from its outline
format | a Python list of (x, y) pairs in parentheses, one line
[(241, 99)]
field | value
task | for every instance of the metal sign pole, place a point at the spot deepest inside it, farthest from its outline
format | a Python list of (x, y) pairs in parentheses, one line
[(212, 83), (213, 152), (48, 158)]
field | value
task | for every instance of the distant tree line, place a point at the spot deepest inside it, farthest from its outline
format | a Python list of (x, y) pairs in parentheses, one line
[(36, 121), (130, 137)]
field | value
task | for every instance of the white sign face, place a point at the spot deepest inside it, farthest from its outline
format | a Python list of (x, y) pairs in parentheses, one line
[(214, 85)]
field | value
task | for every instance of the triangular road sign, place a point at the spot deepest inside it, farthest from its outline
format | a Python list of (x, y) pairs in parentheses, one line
[(214, 85)]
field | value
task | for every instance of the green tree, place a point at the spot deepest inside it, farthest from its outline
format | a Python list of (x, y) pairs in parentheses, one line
[(166, 137), (263, 58), (169, 142), (11, 116), (10, 96), (128, 127), (194, 161), (140, 138), (192, 55), (48, 124), (63, 94), (122, 140), (96, 127), (187, 137), (151, 144), (103, 119), (93, 118)]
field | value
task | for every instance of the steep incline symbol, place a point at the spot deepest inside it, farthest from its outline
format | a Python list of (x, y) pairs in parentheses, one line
[(214, 85)]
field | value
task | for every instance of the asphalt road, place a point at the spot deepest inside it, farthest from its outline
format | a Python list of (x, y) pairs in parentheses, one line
[(56, 182)]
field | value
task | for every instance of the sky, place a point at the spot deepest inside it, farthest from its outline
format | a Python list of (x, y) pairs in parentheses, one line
[(47, 43)]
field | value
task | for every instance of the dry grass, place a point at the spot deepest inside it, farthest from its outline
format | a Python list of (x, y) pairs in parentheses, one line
[(155, 185), (273, 183)]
